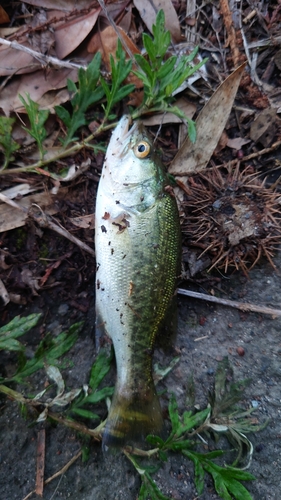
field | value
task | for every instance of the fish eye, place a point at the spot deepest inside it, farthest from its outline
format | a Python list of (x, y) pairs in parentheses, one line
[(142, 149)]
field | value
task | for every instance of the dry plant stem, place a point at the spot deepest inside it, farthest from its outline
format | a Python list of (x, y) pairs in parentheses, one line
[(231, 41), (40, 462), (45, 221), (130, 450), (62, 154), (57, 474), (95, 433), (250, 157), (242, 306), (42, 58)]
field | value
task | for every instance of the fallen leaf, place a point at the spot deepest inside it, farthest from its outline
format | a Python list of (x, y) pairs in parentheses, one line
[(210, 124), (16, 61), (36, 84), (237, 143), (3, 293), (70, 34), (264, 127), (29, 280), (4, 18), (42, 40), (84, 221), (18, 191), (11, 218), (148, 10), (106, 42)]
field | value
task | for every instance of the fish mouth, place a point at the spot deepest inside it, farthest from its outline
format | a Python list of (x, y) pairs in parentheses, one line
[(121, 136)]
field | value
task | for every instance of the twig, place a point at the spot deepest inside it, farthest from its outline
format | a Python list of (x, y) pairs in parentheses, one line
[(230, 303), (123, 42), (42, 58), (231, 41), (45, 221), (57, 474), (40, 462), (249, 157), (72, 424)]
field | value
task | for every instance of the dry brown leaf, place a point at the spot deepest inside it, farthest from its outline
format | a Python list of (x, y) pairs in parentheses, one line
[(5, 32), (237, 142), (16, 62), (148, 10), (11, 218), (17, 191), (264, 126), (42, 40), (70, 34), (84, 221), (106, 42), (4, 18), (36, 84), (210, 124)]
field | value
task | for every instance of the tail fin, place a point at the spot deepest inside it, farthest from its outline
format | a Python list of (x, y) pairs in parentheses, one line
[(131, 420)]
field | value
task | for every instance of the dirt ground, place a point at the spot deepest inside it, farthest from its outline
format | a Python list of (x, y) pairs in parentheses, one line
[(201, 343)]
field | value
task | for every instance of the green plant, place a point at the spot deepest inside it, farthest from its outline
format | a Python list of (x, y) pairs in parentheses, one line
[(160, 73), (16, 328), (183, 439), (162, 76), (221, 415), (37, 118), (48, 352), (120, 69), (86, 94), (7, 143)]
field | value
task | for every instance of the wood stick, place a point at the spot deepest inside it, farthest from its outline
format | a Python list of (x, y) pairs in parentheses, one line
[(242, 306), (40, 462)]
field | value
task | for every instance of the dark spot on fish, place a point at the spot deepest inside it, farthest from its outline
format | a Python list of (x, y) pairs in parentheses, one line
[(124, 256), (112, 251), (103, 228), (98, 266), (98, 284), (122, 226), (109, 243), (125, 184), (141, 198), (106, 216), (117, 202), (117, 309), (102, 289), (155, 246)]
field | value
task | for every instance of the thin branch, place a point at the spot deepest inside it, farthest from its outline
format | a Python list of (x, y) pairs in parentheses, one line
[(42, 58), (242, 306), (45, 221)]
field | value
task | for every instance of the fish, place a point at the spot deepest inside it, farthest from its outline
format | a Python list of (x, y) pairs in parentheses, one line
[(137, 245)]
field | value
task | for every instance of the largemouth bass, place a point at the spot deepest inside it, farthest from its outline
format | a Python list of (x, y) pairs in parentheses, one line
[(137, 240)]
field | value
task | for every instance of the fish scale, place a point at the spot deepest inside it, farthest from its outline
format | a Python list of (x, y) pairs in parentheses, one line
[(137, 252)]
